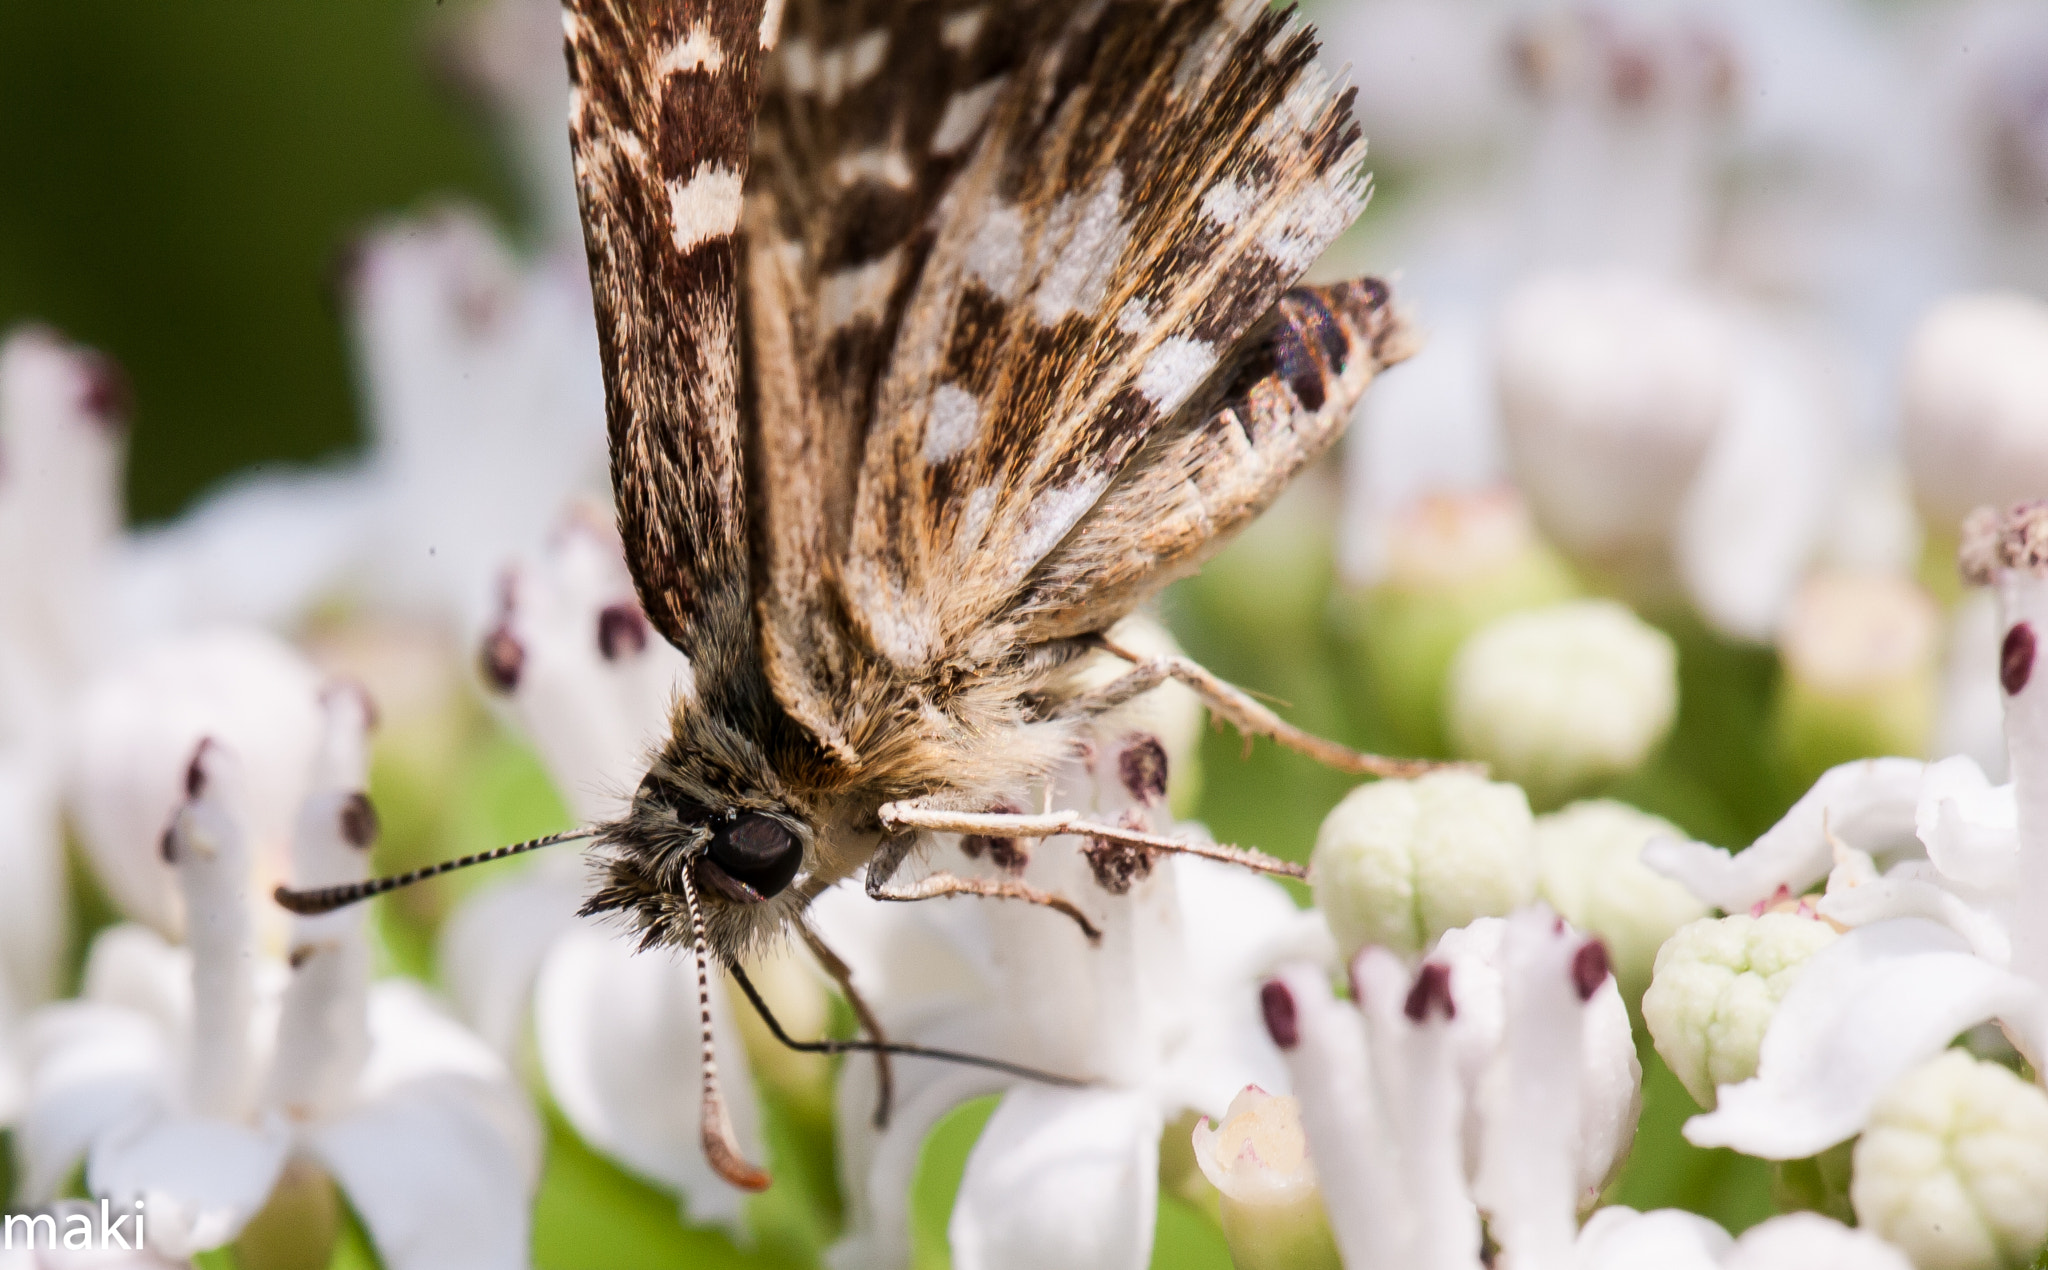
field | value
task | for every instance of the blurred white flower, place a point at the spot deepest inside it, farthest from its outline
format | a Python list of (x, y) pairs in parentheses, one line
[(1559, 699), (486, 410), (1860, 654), (512, 50), (1941, 941), (190, 1079), (1975, 406), (1399, 862), (131, 743), (1589, 868), (1953, 1166)]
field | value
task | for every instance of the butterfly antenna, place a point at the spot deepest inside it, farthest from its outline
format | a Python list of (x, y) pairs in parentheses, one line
[(892, 1047), (720, 1147), (328, 898)]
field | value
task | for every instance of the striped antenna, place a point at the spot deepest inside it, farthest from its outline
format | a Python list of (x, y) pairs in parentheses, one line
[(328, 898)]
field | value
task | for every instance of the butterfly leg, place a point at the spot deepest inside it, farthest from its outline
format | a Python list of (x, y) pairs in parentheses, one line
[(1238, 708), (842, 974), (934, 885), (996, 824)]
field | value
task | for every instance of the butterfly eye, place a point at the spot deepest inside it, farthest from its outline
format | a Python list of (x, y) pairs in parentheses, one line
[(757, 850)]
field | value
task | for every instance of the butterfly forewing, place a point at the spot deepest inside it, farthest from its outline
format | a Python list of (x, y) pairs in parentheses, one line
[(662, 103)]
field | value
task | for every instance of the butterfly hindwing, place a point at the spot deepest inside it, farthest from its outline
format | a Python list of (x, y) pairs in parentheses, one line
[(662, 103), (1149, 178)]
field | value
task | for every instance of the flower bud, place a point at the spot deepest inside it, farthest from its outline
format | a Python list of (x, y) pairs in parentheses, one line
[(1953, 1166), (1715, 986), (1398, 863), (1454, 562), (1975, 401), (1861, 672), (1589, 866), (1561, 699), (1611, 388), (1258, 1160)]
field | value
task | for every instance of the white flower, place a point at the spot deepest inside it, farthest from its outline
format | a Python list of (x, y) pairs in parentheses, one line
[(1399, 862), (1412, 1151), (132, 738), (1953, 1166), (592, 683), (1161, 1018), (1946, 938), (486, 414), (1561, 698), (1975, 405), (1589, 867), (187, 1079), (1718, 982)]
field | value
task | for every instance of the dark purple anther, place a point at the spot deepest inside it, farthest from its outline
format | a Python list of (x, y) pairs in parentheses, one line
[(1277, 1004), (1589, 968), (358, 821), (2016, 658), (106, 395), (502, 659), (195, 770), (621, 630), (1142, 768), (1432, 991)]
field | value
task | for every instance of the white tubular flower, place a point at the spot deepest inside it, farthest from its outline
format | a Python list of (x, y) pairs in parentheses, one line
[(1172, 712), (1859, 651), (1258, 1160), (512, 50), (487, 413), (1717, 985), (1399, 862), (136, 728), (1612, 387), (592, 683), (1945, 939), (1589, 867), (63, 431), (1161, 1018), (1953, 1166), (1975, 404), (191, 1081), (1560, 699)]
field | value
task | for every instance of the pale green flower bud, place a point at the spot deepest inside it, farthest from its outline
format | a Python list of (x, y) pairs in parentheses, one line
[(1589, 866), (1862, 679), (1563, 698), (1715, 986), (1953, 1166), (1453, 563), (1258, 1161), (1398, 863)]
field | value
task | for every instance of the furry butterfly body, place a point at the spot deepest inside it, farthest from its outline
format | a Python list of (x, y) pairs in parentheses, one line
[(937, 336)]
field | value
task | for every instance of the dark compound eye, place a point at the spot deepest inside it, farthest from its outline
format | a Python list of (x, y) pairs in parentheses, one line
[(757, 850)]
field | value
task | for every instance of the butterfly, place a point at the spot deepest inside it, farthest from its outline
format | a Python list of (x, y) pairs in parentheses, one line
[(938, 335)]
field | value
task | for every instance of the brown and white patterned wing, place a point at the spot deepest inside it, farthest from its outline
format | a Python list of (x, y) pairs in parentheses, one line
[(662, 102), (869, 109), (1192, 487), (1148, 180)]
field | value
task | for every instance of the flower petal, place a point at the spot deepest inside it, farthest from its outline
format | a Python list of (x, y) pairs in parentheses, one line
[(1969, 826), (1809, 1241), (619, 1039), (493, 944), (1617, 1238), (1061, 1177), (1916, 889), (1864, 1011), (439, 1181), (201, 1179), (91, 1068), (1869, 804)]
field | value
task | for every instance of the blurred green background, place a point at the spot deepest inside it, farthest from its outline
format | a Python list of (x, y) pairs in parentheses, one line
[(180, 178)]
